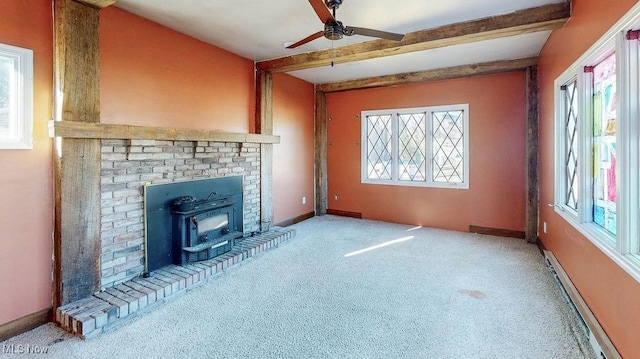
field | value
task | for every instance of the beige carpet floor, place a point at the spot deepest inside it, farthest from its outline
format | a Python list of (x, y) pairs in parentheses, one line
[(347, 288)]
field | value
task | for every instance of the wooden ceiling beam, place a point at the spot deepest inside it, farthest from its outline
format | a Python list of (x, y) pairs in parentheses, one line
[(447, 73), (543, 18), (99, 4)]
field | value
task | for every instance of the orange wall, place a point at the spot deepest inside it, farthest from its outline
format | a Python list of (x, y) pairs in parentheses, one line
[(154, 76), (26, 215), (610, 293), (496, 195), (293, 158)]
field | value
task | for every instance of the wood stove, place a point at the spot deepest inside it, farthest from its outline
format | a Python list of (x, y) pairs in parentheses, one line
[(192, 221), (204, 231)]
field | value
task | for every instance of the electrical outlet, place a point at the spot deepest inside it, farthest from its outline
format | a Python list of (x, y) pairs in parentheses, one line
[(304, 200), (544, 227)]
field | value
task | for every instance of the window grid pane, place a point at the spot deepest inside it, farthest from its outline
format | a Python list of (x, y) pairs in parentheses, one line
[(604, 144), (448, 147), (571, 143), (412, 147), (7, 87), (379, 147)]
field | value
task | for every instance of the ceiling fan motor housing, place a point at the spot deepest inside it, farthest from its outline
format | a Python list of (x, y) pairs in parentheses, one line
[(333, 4), (333, 30)]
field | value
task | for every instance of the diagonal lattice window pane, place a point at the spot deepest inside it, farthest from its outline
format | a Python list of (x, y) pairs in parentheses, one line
[(571, 143), (448, 147), (412, 145), (379, 147)]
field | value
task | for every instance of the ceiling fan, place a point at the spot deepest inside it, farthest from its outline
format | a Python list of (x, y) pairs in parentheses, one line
[(334, 30)]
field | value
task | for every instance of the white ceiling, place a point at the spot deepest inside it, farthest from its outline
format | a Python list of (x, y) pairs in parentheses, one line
[(258, 29)]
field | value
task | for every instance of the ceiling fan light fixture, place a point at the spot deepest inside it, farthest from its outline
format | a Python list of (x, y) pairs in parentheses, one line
[(333, 30)]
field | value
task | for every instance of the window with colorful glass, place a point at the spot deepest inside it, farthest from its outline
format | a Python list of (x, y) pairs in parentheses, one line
[(604, 144)]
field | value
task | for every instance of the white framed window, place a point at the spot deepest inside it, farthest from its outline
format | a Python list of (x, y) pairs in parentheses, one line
[(597, 175), (569, 131), (16, 97), (426, 146)]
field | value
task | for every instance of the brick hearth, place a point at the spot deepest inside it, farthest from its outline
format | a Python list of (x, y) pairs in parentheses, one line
[(113, 306)]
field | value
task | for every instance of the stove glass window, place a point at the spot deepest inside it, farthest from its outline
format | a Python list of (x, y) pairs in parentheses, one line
[(212, 223)]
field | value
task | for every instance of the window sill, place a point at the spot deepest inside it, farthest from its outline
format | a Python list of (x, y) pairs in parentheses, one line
[(417, 184), (17, 145)]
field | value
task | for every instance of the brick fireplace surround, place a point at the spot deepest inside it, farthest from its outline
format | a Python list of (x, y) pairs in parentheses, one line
[(126, 166)]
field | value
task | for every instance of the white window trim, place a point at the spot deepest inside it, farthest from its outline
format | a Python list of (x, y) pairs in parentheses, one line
[(625, 252), (429, 154), (24, 122)]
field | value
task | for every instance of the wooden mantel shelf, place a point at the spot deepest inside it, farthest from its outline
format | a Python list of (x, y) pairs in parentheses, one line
[(73, 129)]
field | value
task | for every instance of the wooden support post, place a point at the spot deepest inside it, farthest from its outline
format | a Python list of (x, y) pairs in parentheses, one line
[(531, 186), (77, 169), (264, 126), (321, 153)]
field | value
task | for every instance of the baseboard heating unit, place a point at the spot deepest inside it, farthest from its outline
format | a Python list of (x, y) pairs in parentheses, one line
[(598, 339)]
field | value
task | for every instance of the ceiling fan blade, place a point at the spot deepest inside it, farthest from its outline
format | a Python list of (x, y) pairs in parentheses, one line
[(322, 11), (350, 31), (309, 38)]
